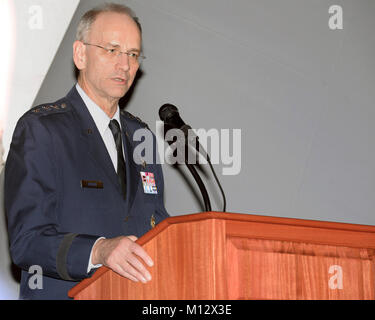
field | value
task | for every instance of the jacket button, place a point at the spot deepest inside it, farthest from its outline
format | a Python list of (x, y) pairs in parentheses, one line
[(153, 222)]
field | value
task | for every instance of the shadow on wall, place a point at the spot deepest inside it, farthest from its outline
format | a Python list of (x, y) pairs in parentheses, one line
[(1, 150)]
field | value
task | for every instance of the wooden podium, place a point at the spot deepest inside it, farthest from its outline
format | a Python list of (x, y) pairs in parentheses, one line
[(237, 256)]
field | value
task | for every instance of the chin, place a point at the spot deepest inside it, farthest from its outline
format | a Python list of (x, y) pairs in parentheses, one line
[(118, 93)]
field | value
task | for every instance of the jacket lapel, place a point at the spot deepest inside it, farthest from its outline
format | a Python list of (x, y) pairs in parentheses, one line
[(132, 172), (92, 138)]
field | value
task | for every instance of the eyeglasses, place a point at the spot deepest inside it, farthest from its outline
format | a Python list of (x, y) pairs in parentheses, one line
[(134, 57)]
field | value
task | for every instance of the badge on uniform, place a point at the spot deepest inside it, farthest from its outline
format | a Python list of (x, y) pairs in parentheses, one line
[(148, 182)]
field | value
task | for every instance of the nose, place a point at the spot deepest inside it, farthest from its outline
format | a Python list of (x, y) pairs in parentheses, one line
[(123, 61)]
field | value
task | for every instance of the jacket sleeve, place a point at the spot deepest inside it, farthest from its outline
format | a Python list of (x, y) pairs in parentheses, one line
[(31, 198)]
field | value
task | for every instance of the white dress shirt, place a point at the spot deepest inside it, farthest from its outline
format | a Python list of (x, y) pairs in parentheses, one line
[(101, 120)]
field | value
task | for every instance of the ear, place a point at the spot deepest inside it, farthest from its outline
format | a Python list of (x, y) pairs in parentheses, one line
[(79, 55)]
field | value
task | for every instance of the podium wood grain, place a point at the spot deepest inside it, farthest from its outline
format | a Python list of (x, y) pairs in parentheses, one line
[(235, 256)]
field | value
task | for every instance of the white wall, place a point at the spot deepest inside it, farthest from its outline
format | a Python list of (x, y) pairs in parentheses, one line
[(39, 26), (36, 28), (301, 93)]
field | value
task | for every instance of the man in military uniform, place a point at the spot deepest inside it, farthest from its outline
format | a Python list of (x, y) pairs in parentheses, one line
[(74, 194)]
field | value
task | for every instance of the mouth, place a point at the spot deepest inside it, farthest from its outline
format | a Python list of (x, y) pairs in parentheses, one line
[(119, 80)]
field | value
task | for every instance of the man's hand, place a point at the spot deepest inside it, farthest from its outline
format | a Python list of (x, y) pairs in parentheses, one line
[(123, 256)]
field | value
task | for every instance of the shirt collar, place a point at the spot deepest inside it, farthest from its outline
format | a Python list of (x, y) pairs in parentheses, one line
[(100, 118)]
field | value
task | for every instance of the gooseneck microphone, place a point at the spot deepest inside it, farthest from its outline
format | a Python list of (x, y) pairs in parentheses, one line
[(169, 114)]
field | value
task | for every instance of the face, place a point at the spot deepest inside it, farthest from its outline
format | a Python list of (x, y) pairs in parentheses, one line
[(104, 77)]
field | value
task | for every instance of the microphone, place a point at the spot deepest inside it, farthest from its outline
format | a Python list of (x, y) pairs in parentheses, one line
[(169, 114)]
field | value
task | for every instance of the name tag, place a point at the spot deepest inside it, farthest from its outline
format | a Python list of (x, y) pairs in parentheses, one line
[(91, 184), (148, 182)]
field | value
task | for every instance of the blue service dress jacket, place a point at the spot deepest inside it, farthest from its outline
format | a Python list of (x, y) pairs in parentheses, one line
[(62, 193)]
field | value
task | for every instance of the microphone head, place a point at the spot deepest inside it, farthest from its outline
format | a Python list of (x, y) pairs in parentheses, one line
[(166, 111)]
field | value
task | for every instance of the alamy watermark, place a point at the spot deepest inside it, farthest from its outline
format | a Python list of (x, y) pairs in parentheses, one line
[(224, 147), (336, 280), (35, 21), (36, 280), (336, 19)]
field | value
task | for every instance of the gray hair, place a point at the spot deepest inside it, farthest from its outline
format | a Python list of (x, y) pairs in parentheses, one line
[(89, 17)]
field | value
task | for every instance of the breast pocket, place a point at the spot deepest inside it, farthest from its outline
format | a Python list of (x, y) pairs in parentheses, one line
[(93, 193)]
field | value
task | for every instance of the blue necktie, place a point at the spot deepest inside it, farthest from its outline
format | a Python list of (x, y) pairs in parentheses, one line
[(121, 169)]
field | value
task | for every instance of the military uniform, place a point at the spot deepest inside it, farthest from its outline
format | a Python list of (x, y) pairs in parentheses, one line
[(62, 193)]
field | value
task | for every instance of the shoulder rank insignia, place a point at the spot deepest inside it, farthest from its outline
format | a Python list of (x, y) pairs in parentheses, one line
[(130, 116), (49, 107)]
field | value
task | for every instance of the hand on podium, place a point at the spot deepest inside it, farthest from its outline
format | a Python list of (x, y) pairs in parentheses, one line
[(124, 256)]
